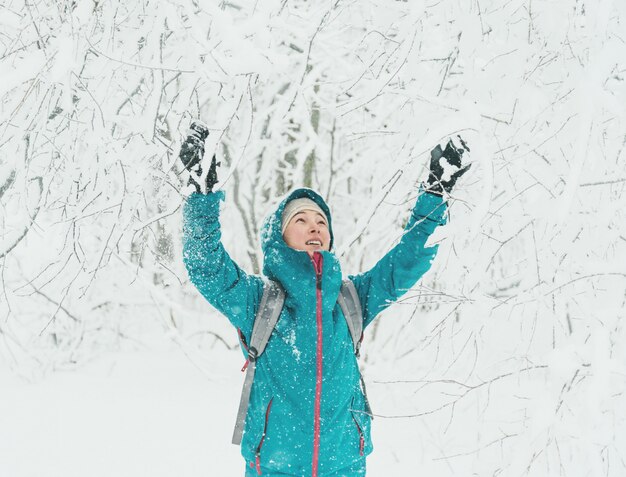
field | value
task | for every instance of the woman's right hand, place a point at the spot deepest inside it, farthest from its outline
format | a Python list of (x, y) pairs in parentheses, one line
[(191, 154)]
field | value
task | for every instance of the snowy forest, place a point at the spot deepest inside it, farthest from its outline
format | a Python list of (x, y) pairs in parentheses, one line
[(506, 359)]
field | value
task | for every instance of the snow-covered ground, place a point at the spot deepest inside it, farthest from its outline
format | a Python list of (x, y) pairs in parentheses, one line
[(146, 414), (153, 414), (129, 414)]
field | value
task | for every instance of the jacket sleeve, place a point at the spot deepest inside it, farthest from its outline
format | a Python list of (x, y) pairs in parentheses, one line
[(404, 264), (216, 276)]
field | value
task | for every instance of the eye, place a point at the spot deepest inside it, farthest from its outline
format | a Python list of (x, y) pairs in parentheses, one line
[(299, 219)]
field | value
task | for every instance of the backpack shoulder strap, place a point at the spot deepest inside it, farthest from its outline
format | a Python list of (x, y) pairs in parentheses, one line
[(351, 306), (267, 315), (266, 318)]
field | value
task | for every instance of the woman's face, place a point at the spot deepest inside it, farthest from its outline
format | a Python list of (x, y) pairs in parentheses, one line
[(307, 231)]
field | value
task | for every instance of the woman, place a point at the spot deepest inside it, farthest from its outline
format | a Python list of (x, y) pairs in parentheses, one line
[(307, 413)]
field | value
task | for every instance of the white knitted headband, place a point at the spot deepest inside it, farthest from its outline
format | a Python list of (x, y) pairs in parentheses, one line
[(298, 205)]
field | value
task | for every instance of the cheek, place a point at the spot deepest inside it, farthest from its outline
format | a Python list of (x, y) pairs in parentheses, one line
[(292, 236), (287, 237), (326, 237)]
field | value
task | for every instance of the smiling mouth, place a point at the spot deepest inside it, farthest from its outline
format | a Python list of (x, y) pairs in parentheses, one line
[(314, 242)]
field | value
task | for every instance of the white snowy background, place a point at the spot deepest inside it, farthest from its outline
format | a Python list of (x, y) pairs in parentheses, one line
[(507, 359)]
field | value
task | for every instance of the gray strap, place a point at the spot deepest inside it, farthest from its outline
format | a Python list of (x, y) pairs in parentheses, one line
[(351, 306), (267, 315), (243, 403)]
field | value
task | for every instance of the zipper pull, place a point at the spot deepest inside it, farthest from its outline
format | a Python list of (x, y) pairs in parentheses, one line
[(318, 270)]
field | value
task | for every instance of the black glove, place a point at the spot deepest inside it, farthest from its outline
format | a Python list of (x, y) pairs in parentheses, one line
[(191, 154), (453, 155)]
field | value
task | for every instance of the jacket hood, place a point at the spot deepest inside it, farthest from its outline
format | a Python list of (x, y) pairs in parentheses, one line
[(271, 232)]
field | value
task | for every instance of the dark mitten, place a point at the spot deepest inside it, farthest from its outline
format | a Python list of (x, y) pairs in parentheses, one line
[(452, 155), (192, 149), (191, 154)]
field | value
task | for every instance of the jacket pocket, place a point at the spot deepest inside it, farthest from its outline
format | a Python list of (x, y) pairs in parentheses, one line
[(257, 452), (361, 420), (361, 436)]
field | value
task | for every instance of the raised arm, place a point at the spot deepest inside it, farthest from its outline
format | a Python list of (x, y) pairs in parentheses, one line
[(216, 276), (405, 264)]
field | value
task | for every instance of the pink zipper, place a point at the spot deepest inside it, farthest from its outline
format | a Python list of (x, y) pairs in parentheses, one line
[(317, 264)]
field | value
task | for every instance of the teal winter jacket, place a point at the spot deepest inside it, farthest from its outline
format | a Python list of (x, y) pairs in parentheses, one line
[(307, 413)]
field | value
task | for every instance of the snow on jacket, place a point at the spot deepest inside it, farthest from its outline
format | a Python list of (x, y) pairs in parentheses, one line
[(307, 413)]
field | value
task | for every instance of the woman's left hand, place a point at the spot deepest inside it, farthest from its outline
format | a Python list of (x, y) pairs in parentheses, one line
[(449, 158)]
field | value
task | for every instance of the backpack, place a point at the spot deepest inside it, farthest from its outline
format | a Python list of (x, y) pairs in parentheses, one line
[(267, 315)]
